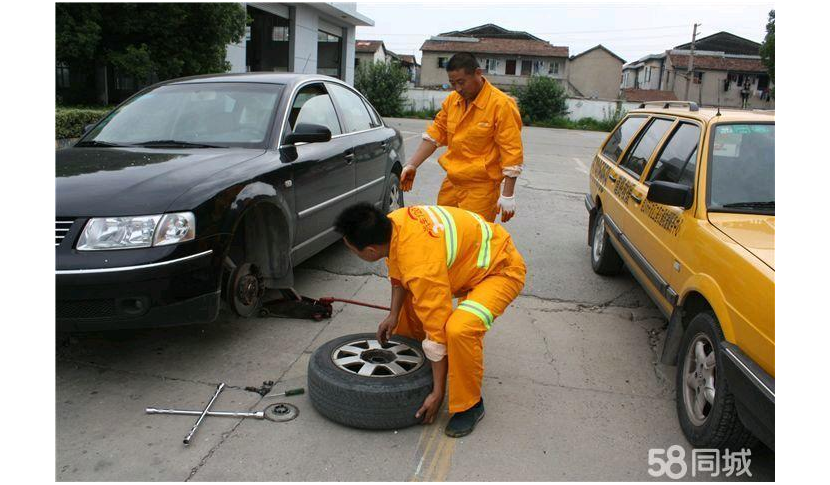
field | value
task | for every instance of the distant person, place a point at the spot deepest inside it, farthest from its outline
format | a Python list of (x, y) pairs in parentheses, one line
[(745, 90), (481, 128)]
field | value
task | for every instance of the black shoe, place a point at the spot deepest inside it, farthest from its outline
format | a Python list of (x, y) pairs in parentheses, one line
[(463, 423)]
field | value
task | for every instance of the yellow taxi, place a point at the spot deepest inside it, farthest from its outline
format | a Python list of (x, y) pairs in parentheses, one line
[(684, 197)]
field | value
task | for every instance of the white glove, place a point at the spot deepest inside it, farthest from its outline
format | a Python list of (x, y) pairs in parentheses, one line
[(507, 207)]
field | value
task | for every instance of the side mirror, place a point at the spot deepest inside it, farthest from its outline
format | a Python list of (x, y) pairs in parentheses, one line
[(308, 133), (88, 127), (669, 193)]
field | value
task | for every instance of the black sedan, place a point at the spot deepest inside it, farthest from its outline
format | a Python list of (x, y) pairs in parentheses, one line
[(209, 188)]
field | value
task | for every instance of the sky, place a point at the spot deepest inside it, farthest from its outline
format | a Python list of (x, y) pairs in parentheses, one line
[(630, 30)]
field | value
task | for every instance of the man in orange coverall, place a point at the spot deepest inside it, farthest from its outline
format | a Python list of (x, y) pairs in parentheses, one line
[(434, 253), (481, 127)]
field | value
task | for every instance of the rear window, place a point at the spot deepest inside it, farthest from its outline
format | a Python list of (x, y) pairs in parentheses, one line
[(638, 158), (621, 136)]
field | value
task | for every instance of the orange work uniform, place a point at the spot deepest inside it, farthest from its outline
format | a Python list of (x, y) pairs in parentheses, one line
[(484, 144), (437, 252)]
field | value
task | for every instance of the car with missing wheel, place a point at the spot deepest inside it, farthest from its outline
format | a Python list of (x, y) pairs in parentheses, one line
[(208, 189), (684, 197)]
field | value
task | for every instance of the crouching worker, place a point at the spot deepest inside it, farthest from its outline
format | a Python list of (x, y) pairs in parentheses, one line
[(435, 253)]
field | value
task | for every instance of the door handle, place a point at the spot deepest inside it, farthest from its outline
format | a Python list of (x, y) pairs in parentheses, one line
[(349, 156), (384, 144), (636, 199), (611, 176)]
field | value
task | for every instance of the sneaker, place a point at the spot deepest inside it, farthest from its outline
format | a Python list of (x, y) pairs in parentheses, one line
[(463, 423)]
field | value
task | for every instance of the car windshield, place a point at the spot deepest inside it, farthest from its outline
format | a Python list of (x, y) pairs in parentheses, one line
[(191, 115), (742, 168)]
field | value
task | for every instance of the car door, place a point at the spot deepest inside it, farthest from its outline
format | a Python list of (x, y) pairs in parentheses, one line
[(659, 227), (631, 194), (323, 173), (367, 140), (606, 174)]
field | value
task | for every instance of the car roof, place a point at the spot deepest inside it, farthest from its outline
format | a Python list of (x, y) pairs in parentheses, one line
[(707, 115), (288, 79)]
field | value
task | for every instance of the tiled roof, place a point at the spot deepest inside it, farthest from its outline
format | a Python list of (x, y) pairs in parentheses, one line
[(601, 47), (718, 63), (487, 45), (367, 45), (408, 59), (643, 95)]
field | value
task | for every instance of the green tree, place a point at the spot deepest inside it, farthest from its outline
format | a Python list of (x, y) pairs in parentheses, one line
[(542, 99), (768, 46), (139, 39), (383, 84)]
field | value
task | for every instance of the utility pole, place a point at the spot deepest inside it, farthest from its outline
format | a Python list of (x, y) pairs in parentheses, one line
[(691, 67)]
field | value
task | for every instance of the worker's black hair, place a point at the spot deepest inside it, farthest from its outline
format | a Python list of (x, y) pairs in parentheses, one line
[(463, 60), (364, 224)]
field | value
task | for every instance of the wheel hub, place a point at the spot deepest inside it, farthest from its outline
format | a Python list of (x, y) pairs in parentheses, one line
[(699, 381), (370, 358)]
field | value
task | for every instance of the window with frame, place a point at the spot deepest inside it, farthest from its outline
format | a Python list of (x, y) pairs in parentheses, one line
[(442, 62), (622, 136), (62, 75), (527, 67), (648, 74), (678, 159), (510, 68), (698, 77), (553, 68), (280, 33), (637, 158), (313, 105), (355, 115)]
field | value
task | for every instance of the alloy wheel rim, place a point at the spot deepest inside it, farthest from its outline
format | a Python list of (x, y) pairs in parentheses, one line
[(394, 197), (370, 358), (699, 373), (599, 240)]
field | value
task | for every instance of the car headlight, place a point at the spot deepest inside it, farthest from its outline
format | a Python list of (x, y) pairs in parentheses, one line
[(104, 233)]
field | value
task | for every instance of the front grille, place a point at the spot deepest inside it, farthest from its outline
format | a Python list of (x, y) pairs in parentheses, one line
[(62, 227), (85, 308)]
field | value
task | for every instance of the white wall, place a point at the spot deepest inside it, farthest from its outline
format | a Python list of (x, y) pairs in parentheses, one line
[(599, 109)]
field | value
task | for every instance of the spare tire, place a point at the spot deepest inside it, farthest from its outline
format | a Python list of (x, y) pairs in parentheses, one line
[(356, 381)]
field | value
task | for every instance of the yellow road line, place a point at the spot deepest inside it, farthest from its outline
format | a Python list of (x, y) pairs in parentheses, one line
[(434, 452)]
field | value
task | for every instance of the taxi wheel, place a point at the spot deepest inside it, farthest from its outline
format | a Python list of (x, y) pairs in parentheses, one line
[(604, 258), (705, 406)]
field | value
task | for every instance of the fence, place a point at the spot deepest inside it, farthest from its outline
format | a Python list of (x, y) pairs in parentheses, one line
[(578, 108)]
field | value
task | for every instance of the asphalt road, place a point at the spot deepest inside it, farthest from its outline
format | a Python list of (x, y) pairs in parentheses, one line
[(573, 386)]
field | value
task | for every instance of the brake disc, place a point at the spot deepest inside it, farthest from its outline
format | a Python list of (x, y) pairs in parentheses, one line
[(281, 411)]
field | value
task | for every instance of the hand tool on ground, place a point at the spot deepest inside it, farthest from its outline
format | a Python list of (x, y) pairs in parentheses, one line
[(294, 305), (277, 412), (225, 414), (290, 392), (189, 436)]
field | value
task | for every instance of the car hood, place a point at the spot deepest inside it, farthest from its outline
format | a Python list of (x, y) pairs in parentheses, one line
[(754, 232), (134, 181)]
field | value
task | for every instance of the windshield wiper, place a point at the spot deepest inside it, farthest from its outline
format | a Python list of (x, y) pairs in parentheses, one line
[(754, 205), (174, 144), (96, 143)]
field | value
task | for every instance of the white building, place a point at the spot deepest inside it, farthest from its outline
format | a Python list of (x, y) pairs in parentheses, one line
[(306, 38)]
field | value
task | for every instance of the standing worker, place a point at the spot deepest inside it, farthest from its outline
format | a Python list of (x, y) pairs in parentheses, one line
[(481, 127), (434, 253)]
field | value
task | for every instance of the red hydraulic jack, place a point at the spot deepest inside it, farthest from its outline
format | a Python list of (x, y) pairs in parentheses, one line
[(294, 305)]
